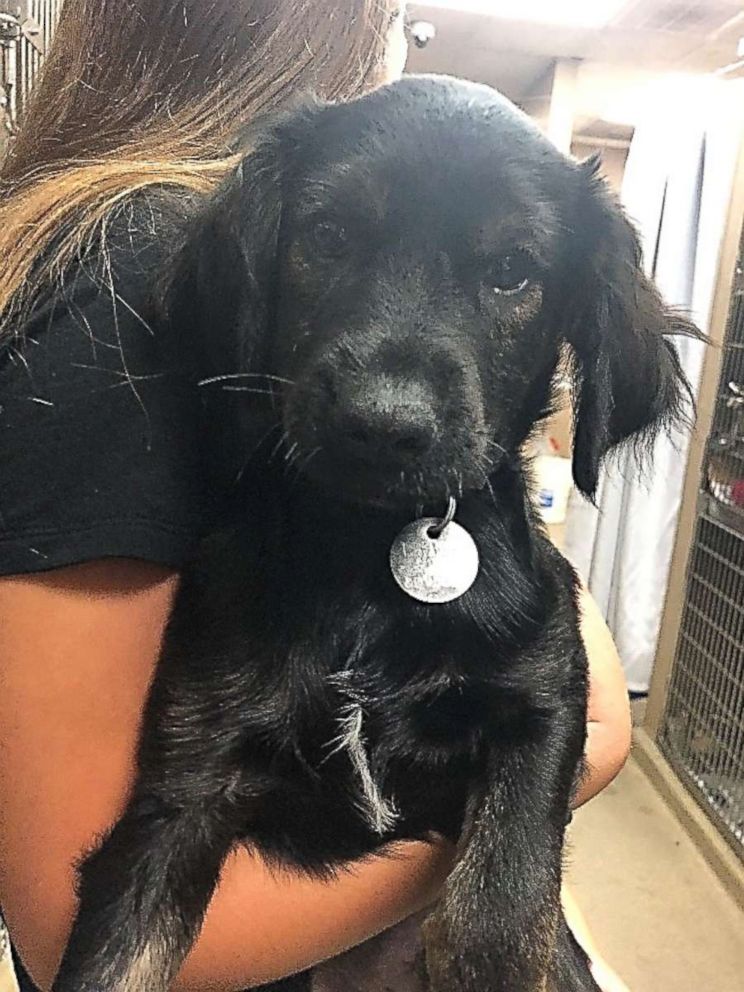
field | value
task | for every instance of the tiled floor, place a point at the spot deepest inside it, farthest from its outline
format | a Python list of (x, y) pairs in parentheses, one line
[(656, 910), (7, 981)]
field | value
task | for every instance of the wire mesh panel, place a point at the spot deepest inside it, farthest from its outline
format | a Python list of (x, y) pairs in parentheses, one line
[(702, 732), (26, 29), (41, 19)]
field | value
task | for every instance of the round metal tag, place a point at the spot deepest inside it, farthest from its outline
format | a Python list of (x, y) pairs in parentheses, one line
[(434, 569)]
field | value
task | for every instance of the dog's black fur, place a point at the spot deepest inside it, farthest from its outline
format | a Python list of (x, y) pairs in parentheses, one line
[(402, 274)]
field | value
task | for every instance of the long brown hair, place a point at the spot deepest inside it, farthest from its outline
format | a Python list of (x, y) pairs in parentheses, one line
[(137, 93)]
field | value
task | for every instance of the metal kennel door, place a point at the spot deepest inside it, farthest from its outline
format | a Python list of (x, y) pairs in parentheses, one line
[(26, 28), (702, 728)]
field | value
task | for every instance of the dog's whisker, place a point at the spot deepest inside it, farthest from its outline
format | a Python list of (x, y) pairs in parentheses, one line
[(264, 437), (248, 389), (254, 449), (313, 453), (282, 440), (245, 375), (496, 445), (292, 458)]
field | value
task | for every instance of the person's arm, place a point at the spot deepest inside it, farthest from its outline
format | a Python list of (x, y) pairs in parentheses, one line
[(78, 648), (608, 716)]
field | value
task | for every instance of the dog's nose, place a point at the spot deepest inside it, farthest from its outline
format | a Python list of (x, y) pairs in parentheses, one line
[(381, 419)]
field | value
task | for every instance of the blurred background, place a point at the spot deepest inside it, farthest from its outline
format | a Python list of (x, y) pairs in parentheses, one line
[(656, 87)]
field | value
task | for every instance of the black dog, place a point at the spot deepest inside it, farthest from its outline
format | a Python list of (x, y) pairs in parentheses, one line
[(402, 275)]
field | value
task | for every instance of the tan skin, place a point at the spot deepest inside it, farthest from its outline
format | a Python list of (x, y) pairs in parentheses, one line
[(78, 651)]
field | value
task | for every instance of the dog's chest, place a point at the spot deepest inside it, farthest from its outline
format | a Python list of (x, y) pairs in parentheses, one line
[(363, 708), (363, 775), (389, 725)]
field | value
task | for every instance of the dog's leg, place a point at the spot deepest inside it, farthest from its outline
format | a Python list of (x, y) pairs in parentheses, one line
[(496, 927), (143, 895), (571, 972)]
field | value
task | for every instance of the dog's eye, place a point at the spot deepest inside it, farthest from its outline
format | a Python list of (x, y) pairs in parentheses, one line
[(328, 237), (511, 274)]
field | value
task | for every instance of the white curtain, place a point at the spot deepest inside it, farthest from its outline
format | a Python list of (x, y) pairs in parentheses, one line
[(676, 188)]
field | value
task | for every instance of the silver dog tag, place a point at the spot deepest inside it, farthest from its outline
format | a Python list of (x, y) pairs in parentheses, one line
[(434, 560)]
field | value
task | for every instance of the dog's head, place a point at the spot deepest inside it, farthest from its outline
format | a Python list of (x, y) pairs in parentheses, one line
[(408, 268)]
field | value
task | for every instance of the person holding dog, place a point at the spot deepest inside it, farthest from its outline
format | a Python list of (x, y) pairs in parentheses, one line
[(100, 486)]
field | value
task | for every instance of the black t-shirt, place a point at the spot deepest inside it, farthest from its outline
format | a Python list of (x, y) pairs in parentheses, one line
[(99, 436)]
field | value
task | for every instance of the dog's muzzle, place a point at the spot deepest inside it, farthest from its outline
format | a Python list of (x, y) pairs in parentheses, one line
[(381, 421)]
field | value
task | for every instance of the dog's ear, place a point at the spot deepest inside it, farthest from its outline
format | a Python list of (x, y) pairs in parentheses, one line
[(216, 293), (627, 376), (215, 303)]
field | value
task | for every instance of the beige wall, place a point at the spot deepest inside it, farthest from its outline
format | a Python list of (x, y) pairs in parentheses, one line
[(602, 85), (559, 426), (559, 429)]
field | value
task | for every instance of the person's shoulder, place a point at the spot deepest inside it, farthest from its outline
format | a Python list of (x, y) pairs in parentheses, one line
[(115, 268), (99, 431), (145, 225), (135, 238)]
